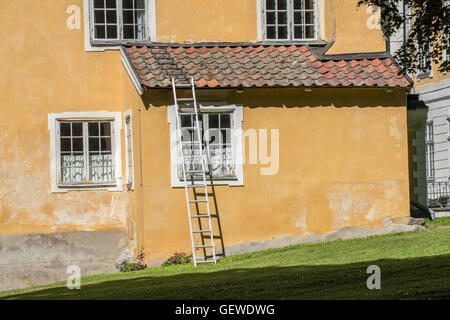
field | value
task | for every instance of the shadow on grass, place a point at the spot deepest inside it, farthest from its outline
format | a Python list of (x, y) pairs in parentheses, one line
[(418, 278)]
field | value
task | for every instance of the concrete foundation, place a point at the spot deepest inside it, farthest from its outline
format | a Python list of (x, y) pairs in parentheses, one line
[(35, 259)]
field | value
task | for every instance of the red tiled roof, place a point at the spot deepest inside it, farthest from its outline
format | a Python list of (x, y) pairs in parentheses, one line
[(259, 66)]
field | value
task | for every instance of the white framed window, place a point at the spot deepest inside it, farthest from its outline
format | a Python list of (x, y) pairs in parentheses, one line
[(111, 22), (425, 65), (221, 128), (429, 150), (128, 120), (290, 20), (85, 151)]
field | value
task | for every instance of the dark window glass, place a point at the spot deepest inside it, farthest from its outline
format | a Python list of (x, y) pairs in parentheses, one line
[(100, 32), (127, 16), (65, 129), (99, 16), (105, 129), (111, 16), (77, 129), (270, 4), (66, 145), (93, 129), (225, 121), (128, 32), (110, 3), (213, 120), (271, 32), (94, 144), (282, 32), (282, 17), (127, 4), (282, 4), (99, 3), (77, 144)]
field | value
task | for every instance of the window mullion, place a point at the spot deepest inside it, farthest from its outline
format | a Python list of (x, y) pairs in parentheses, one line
[(86, 151), (119, 20)]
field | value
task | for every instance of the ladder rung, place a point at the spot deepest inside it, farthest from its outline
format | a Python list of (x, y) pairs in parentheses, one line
[(205, 246), (189, 128), (194, 171), (183, 85), (203, 194), (200, 231), (196, 186), (197, 201), (187, 114), (200, 216), (185, 99)]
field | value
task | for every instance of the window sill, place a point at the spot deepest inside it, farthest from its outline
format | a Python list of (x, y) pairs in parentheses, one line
[(231, 182), (63, 188), (294, 42)]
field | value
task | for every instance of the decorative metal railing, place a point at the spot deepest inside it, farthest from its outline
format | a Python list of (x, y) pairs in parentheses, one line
[(438, 194)]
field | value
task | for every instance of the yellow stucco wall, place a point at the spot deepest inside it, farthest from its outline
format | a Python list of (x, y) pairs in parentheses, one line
[(346, 162), (44, 69), (343, 162)]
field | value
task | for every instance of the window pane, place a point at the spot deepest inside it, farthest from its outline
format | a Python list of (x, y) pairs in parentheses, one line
[(282, 32), (271, 33), (65, 129), (298, 17), (281, 4), (99, 16), (112, 32), (111, 16), (213, 120), (298, 32), (271, 18), (100, 32), (186, 121), (128, 32), (127, 16), (127, 4), (270, 4), (298, 4), (99, 4), (77, 144), (77, 129), (105, 129), (94, 145), (106, 144), (110, 3), (65, 145), (226, 136), (139, 4), (225, 121), (139, 17), (309, 32), (309, 17), (282, 17), (309, 4), (93, 129)]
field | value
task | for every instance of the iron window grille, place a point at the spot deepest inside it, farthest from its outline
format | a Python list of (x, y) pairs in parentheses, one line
[(85, 153), (216, 136)]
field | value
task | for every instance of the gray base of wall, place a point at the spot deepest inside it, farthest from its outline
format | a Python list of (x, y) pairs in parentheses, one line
[(345, 233), (35, 259)]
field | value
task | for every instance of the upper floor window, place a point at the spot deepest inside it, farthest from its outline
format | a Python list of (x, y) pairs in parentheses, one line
[(119, 20), (429, 150), (290, 20)]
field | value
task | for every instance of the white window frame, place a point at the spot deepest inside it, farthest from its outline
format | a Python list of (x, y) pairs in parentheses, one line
[(262, 32), (237, 143), (101, 45), (55, 168), (129, 151), (425, 74), (429, 152)]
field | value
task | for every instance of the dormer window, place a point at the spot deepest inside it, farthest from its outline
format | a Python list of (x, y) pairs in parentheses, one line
[(119, 20), (294, 20)]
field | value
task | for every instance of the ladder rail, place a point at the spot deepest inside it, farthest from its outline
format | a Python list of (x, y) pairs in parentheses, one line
[(203, 171), (184, 170), (199, 138)]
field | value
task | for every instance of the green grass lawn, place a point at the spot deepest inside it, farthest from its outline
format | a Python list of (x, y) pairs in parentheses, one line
[(414, 265)]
